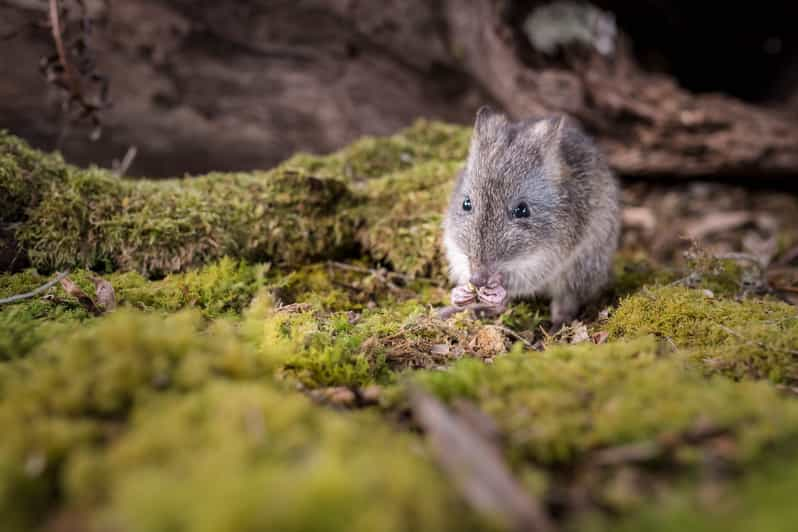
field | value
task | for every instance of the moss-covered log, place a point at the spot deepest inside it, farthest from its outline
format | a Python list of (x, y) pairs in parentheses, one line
[(58, 216)]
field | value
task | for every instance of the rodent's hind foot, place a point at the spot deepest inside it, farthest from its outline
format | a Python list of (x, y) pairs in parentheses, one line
[(564, 309), (486, 310)]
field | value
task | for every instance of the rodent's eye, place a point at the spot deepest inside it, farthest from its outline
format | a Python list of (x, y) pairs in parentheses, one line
[(467, 204), (521, 211)]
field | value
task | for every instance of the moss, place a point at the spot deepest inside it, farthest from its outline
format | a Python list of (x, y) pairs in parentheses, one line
[(526, 315), (270, 451), (372, 157), (225, 287), (631, 273), (273, 462), (73, 217), (25, 325), (24, 172), (404, 213), (763, 500), (751, 338), (296, 212), (558, 405), (71, 391)]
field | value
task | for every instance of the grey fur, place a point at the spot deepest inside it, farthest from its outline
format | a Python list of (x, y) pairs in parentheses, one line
[(564, 249)]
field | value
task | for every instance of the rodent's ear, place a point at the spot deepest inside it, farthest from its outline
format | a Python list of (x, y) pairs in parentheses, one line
[(550, 133), (488, 120)]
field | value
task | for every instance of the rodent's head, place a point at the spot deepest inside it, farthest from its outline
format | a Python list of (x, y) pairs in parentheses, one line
[(509, 202)]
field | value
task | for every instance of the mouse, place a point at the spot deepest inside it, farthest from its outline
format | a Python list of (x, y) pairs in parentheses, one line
[(534, 212)]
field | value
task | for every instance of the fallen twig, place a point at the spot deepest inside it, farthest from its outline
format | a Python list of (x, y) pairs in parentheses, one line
[(477, 467), (74, 290), (121, 168), (34, 293), (70, 76), (511, 333)]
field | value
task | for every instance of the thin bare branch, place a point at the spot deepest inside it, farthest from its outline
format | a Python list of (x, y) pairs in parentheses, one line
[(36, 292), (477, 466)]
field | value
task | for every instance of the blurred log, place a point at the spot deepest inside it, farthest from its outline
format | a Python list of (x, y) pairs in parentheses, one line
[(202, 85), (646, 123)]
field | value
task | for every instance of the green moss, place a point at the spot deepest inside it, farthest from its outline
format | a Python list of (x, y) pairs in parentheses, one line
[(296, 212), (249, 457), (526, 315), (270, 451), (73, 217), (225, 287), (24, 172), (372, 157), (632, 273), (71, 391), (751, 338), (404, 214), (763, 500), (558, 405)]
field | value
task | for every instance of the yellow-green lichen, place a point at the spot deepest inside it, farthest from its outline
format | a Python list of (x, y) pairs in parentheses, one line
[(750, 338)]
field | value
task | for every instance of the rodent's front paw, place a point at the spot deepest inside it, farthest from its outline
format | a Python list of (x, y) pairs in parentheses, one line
[(464, 295), (493, 295)]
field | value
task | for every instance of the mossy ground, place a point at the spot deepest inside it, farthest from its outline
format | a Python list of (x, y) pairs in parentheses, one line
[(187, 407)]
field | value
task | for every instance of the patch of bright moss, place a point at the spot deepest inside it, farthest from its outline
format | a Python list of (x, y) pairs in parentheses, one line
[(753, 338), (559, 405), (309, 207), (250, 457), (71, 391), (223, 288), (404, 213), (371, 157), (269, 454), (74, 217)]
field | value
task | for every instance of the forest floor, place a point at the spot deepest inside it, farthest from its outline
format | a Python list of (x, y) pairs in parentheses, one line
[(261, 350)]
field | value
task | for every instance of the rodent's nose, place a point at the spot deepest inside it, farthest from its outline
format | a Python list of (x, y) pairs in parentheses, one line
[(479, 278)]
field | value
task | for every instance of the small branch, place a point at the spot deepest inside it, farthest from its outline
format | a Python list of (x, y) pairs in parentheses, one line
[(511, 333), (130, 156), (70, 76), (34, 293), (477, 467)]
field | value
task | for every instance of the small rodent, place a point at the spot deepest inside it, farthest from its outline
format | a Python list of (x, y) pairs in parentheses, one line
[(534, 212)]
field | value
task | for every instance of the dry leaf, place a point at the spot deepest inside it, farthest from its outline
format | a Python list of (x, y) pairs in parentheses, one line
[(489, 341), (599, 337), (74, 290), (336, 395), (439, 349), (580, 333), (642, 217)]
